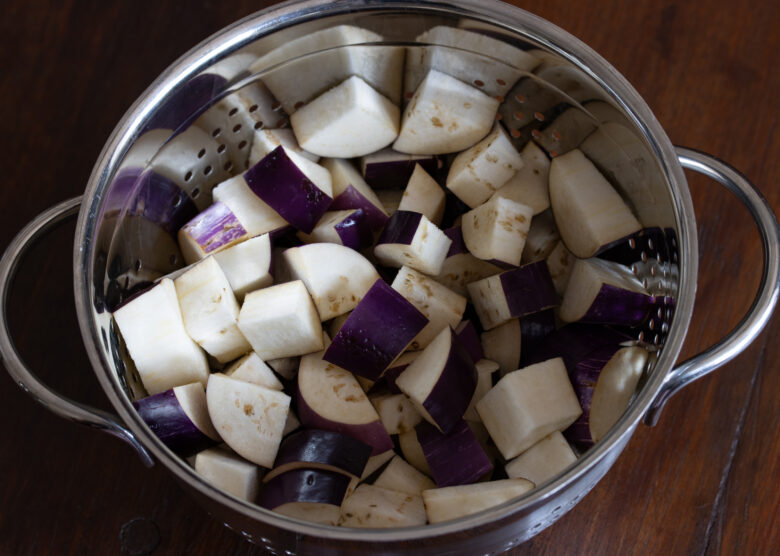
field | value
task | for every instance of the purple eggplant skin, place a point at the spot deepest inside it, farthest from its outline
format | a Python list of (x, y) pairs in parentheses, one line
[(386, 382), (619, 307), (355, 231), (450, 396), (533, 329), (373, 434), (304, 485), (528, 289), (628, 250), (400, 228), (186, 103), (323, 447), (458, 246), (215, 227), (574, 342), (456, 458), (469, 338), (453, 208), (164, 415), (351, 198), (286, 189), (395, 174), (377, 330)]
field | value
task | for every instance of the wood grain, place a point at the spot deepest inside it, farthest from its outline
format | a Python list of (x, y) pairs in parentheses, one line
[(702, 481)]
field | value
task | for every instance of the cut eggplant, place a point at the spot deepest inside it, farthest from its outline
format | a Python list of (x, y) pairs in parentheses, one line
[(387, 380), (310, 494), (249, 418), (442, 307), (513, 293), (349, 228), (390, 199), (179, 417), (336, 277), (497, 230), (209, 310), (402, 477), (397, 412), (460, 267), (503, 344), (543, 460), (294, 186), (423, 195), (320, 449), (375, 463), (266, 140), (285, 367), (560, 261), (444, 116), (456, 458), (377, 331), (534, 328), (281, 321), (476, 173), (529, 185), (330, 398), (469, 337), (412, 451), (214, 229), (441, 381), (164, 354), (228, 472), (372, 506), (444, 504), (574, 343), (603, 292), (254, 214), (247, 265), (485, 371), (350, 191), (542, 238), (388, 169), (352, 119), (647, 243), (410, 239), (527, 405), (253, 369), (589, 213), (291, 425)]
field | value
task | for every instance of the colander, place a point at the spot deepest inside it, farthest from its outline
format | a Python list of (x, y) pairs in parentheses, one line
[(192, 128)]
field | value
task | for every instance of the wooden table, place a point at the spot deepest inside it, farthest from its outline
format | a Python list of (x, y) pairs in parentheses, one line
[(703, 480)]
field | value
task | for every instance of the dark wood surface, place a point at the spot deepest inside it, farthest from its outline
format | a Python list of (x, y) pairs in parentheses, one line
[(703, 480)]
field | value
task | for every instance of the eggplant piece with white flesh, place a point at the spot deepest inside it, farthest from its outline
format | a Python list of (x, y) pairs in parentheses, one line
[(229, 472), (444, 504), (397, 412), (350, 191), (253, 369), (371, 506), (308, 494), (256, 216), (503, 344), (210, 231), (410, 239), (485, 371), (247, 265), (542, 238), (496, 231), (469, 337), (424, 195), (529, 185), (266, 140), (349, 228), (543, 460), (403, 477), (389, 169), (460, 267)]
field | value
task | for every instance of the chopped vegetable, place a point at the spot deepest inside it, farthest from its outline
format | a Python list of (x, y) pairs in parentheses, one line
[(444, 504), (229, 472), (376, 507), (455, 458), (543, 460), (410, 239)]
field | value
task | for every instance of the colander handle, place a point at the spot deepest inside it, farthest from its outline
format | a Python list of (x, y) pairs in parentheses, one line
[(764, 303), (21, 374)]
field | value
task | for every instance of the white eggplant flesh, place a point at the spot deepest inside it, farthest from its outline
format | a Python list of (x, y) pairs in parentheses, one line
[(403, 477), (605, 292), (496, 231), (390, 199), (397, 412), (350, 120), (485, 370), (164, 354), (502, 345), (542, 238), (442, 307), (247, 265), (229, 472), (251, 211), (292, 424), (313, 495), (249, 418), (476, 173), (285, 367), (266, 140), (542, 461), (349, 228), (424, 195), (589, 213), (567, 131), (371, 506), (389, 169), (444, 504), (528, 404), (210, 231), (281, 321), (529, 185), (253, 369), (336, 277), (317, 61), (413, 452), (210, 310), (461, 268), (560, 262), (488, 63), (410, 239), (350, 191), (376, 462), (444, 116)]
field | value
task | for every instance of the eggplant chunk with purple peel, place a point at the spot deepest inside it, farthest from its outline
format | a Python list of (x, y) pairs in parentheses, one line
[(460, 267), (309, 494), (373, 506), (424, 195), (389, 169), (455, 458), (497, 230), (350, 191), (529, 185), (543, 460), (410, 239)]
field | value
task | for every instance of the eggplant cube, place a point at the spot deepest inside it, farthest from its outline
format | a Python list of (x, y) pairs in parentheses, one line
[(214, 229), (377, 507), (229, 472), (441, 381), (442, 307), (254, 214), (281, 321), (309, 494), (164, 354), (403, 477), (527, 405), (444, 116), (350, 228), (497, 230), (503, 344), (398, 414), (266, 140), (247, 265), (542, 238), (529, 185), (444, 504), (388, 169), (349, 120), (253, 369), (478, 172), (560, 262), (460, 268), (543, 460), (485, 370), (411, 239), (457, 458), (424, 195), (210, 310), (350, 191)]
